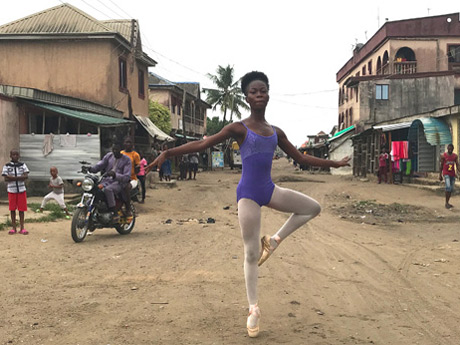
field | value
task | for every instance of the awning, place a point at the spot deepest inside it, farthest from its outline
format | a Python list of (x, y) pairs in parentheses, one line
[(97, 119), (343, 131), (393, 127), (153, 130), (436, 131)]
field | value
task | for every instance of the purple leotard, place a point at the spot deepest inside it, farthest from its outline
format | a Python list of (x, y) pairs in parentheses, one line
[(257, 155)]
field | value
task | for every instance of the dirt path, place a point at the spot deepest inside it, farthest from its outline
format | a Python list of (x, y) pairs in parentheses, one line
[(378, 266)]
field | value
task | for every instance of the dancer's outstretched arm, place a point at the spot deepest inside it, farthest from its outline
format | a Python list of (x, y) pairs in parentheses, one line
[(233, 130)]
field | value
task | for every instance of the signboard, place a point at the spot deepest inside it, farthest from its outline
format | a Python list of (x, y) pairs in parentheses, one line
[(217, 159)]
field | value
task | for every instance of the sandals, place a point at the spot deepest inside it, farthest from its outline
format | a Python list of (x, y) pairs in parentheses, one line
[(24, 232), (266, 250), (253, 332), (12, 232)]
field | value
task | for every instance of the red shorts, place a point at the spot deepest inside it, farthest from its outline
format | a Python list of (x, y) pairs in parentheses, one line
[(17, 201)]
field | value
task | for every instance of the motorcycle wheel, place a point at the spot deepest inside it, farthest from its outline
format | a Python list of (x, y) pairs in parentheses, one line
[(79, 227), (124, 227)]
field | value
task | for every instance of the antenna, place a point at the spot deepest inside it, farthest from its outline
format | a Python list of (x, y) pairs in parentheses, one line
[(428, 9), (378, 17), (365, 35)]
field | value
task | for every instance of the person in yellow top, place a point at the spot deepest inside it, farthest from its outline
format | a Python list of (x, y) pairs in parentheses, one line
[(133, 155)]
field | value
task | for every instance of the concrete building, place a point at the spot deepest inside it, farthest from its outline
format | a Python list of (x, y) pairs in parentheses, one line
[(176, 95), (63, 71), (401, 71), (408, 69)]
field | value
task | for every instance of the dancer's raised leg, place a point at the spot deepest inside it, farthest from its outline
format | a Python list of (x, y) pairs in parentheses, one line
[(303, 209)]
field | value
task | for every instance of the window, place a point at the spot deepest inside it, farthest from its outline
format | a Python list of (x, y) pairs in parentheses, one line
[(381, 91), (369, 67), (123, 75), (457, 96), (141, 84), (363, 71), (453, 53)]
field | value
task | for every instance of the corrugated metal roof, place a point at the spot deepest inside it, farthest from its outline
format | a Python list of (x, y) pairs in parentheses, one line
[(436, 131), (53, 98), (97, 119), (393, 126), (62, 19), (123, 26)]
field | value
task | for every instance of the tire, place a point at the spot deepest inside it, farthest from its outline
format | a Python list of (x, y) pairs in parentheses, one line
[(126, 228), (79, 227)]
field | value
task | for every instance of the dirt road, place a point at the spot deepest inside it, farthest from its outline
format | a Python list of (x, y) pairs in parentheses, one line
[(378, 266)]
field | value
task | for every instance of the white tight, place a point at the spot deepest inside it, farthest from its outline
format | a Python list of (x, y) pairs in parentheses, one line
[(303, 209)]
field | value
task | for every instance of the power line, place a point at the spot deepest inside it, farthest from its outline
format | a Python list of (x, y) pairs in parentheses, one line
[(307, 93), (304, 105)]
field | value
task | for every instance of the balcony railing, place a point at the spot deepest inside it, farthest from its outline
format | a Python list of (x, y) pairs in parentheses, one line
[(405, 67), (194, 125)]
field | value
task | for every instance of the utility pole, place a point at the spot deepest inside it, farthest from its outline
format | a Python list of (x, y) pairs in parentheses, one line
[(183, 116)]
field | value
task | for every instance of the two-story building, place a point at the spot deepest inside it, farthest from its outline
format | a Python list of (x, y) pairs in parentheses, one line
[(188, 110), (65, 73), (408, 69)]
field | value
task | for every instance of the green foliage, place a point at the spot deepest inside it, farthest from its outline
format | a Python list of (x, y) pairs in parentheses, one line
[(214, 125), (55, 213), (228, 95), (160, 116)]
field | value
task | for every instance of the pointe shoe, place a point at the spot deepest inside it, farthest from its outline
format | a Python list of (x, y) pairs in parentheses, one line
[(253, 332), (266, 249)]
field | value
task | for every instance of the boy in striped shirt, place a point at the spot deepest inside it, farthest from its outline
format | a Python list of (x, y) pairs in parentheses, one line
[(15, 173)]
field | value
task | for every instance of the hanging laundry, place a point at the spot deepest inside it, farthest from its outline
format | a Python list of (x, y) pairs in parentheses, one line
[(48, 145), (408, 166), (400, 150)]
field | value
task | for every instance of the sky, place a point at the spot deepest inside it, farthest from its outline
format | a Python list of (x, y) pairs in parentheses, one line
[(300, 46)]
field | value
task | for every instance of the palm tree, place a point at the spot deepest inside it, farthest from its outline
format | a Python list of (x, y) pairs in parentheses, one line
[(228, 95), (237, 102)]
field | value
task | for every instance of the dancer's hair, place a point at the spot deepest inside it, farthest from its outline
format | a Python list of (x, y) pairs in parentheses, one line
[(250, 77)]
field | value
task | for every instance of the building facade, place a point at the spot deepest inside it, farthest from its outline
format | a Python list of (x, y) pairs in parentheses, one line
[(407, 72), (401, 71), (65, 72), (188, 110)]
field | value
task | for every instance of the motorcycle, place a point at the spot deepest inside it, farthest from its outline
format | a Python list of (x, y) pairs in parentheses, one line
[(93, 213)]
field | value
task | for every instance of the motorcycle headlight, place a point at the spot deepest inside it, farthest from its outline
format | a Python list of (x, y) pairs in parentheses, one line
[(87, 185)]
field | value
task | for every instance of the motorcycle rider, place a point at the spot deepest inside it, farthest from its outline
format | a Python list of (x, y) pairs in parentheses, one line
[(117, 169)]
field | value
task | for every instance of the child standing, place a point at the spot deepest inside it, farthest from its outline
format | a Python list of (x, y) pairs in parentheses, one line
[(15, 173), (57, 192)]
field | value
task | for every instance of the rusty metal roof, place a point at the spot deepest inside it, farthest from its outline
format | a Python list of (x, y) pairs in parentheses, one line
[(124, 27), (66, 19), (62, 19)]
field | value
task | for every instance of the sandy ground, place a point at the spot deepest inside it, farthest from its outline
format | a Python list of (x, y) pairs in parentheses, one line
[(378, 266)]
